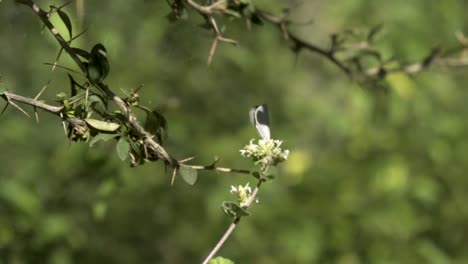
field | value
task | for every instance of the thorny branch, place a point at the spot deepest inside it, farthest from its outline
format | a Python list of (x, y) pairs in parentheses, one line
[(150, 145), (353, 66)]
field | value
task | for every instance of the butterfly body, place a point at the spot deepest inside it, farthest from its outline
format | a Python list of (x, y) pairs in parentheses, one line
[(260, 120)]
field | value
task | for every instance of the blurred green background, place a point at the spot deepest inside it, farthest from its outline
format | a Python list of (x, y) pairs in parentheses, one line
[(375, 175)]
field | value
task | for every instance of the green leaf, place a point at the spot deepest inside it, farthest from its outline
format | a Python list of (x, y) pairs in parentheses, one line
[(2, 90), (61, 96), (102, 125), (189, 175), (81, 52), (220, 260), (256, 174), (66, 21), (234, 210), (123, 148), (102, 136)]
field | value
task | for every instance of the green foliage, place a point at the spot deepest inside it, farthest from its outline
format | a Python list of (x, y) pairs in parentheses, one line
[(234, 210)]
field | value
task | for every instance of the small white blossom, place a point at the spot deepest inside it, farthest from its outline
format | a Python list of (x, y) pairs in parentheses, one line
[(243, 194)]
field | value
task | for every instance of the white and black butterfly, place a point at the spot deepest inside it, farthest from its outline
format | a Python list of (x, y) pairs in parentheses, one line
[(260, 120)]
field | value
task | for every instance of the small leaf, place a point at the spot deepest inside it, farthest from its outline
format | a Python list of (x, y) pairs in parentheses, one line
[(102, 125), (189, 175), (220, 260), (2, 90), (256, 174), (102, 136), (234, 210), (123, 148), (81, 52), (66, 21), (61, 96)]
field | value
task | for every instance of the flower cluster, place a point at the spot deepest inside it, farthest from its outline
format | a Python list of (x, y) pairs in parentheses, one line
[(243, 194), (266, 153)]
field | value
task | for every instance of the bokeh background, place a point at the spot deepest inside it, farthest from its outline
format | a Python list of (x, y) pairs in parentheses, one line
[(376, 174)]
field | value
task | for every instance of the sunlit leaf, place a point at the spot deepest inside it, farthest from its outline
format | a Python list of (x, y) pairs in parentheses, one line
[(102, 125), (61, 96)]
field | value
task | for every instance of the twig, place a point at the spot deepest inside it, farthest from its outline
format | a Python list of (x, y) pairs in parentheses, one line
[(32, 102), (233, 225), (218, 169), (348, 66)]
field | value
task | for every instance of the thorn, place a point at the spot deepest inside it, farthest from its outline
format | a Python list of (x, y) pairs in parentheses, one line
[(228, 40), (173, 176), (64, 5), (212, 50), (63, 124), (19, 108), (57, 58), (59, 66), (187, 159), (54, 65), (36, 115), (217, 159), (42, 90), (4, 108), (146, 151), (77, 36)]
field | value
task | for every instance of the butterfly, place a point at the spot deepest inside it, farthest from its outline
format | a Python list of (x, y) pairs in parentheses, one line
[(260, 120)]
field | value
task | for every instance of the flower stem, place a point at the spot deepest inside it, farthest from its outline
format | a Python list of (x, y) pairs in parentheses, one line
[(233, 225)]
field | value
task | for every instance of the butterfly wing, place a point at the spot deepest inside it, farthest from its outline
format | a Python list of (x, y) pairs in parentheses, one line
[(260, 119)]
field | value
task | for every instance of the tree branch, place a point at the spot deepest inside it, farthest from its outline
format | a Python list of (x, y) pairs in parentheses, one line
[(149, 141), (350, 67)]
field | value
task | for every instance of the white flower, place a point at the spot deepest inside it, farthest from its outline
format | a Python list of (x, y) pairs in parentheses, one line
[(243, 194), (265, 153)]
